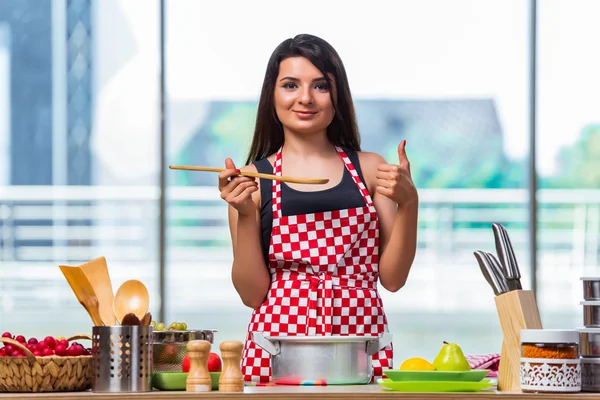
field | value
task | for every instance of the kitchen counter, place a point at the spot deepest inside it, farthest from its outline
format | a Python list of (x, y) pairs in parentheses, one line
[(296, 392)]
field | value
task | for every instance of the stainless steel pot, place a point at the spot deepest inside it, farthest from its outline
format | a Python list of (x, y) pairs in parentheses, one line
[(591, 288), (591, 314), (335, 360)]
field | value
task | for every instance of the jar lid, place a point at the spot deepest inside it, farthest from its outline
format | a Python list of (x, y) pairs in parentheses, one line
[(590, 303), (588, 330), (549, 336)]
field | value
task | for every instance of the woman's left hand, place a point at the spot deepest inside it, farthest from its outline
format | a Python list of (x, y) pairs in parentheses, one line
[(395, 181)]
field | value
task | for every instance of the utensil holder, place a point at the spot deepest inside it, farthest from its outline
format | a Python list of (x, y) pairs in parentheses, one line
[(122, 358), (517, 310)]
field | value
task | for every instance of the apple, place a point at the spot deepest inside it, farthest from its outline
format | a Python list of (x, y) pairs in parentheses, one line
[(169, 353), (185, 364), (214, 362)]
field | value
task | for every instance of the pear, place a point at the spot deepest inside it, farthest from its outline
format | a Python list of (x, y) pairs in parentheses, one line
[(451, 358)]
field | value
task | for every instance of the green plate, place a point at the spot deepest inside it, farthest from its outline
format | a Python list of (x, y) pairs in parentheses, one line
[(474, 375), (176, 380), (435, 386)]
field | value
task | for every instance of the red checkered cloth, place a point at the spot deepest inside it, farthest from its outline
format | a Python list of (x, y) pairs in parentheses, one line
[(485, 361)]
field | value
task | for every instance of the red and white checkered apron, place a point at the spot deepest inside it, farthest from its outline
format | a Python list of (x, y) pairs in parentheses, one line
[(324, 272)]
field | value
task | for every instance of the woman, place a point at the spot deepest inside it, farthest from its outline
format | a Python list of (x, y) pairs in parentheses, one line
[(307, 258)]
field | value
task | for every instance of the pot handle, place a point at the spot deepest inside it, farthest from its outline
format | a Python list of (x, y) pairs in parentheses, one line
[(270, 347), (373, 346)]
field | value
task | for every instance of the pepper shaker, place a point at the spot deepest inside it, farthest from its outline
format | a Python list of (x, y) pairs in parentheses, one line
[(231, 379), (198, 379)]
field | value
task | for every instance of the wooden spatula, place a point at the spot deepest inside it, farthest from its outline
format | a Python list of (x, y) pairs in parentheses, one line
[(307, 181), (83, 290), (96, 271)]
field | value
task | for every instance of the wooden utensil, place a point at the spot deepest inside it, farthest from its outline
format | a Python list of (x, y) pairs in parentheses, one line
[(307, 181), (131, 297), (146, 320), (83, 290), (97, 273), (130, 319)]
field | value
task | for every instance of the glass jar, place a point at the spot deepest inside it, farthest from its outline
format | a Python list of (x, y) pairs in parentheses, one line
[(550, 361)]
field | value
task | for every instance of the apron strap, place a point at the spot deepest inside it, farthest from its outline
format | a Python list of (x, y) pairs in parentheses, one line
[(276, 191)]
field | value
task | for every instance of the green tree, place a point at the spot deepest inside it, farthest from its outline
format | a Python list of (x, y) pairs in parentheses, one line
[(579, 164)]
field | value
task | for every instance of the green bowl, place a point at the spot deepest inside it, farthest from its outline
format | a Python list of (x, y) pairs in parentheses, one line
[(176, 380), (474, 375)]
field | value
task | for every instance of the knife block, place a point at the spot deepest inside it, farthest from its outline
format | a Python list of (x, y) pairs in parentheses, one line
[(517, 310)]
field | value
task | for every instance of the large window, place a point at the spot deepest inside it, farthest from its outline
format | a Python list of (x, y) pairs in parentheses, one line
[(79, 123), (568, 159), (453, 83), (80, 149)]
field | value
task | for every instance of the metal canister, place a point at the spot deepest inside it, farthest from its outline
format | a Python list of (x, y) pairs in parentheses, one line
[(122, 358)]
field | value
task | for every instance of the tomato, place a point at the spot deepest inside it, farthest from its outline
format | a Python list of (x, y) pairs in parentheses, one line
[(185, 365), (214, 362)]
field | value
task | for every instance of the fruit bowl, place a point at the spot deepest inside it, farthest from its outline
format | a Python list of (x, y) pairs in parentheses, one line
[(50, 373)]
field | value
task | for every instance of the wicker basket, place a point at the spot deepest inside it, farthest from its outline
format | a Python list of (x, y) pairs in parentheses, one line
[(45, 374)]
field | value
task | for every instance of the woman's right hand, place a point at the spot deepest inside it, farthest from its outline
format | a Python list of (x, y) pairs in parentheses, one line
[(237, 190)]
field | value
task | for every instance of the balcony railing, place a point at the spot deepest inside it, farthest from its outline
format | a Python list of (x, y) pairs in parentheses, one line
[(41, 227)]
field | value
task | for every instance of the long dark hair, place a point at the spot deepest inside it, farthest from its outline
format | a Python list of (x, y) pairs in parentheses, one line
[(268, 132)]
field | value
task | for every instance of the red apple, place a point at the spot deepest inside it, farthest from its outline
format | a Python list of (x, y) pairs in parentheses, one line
[(169, 353), (214, 362), (185, 364)]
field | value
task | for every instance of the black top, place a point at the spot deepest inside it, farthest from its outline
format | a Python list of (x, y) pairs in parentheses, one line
[(295, 202)]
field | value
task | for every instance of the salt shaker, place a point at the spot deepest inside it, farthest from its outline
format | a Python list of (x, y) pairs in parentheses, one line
[(231, 379), (198, 379)]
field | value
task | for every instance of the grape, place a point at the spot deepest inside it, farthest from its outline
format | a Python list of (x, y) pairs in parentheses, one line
[(174, 326)]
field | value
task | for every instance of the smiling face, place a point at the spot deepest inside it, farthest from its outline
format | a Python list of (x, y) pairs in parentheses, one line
[(302, 97)]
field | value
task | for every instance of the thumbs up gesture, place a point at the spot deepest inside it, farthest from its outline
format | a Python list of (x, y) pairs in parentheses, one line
[(395, 181)]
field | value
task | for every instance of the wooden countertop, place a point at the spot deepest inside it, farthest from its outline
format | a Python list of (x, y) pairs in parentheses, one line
[(297, 392)]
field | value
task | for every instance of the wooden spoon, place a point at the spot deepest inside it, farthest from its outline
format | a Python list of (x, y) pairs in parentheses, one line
[(83, 290), (131, 297), (308, 181), (130, 319), (146, 320)]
